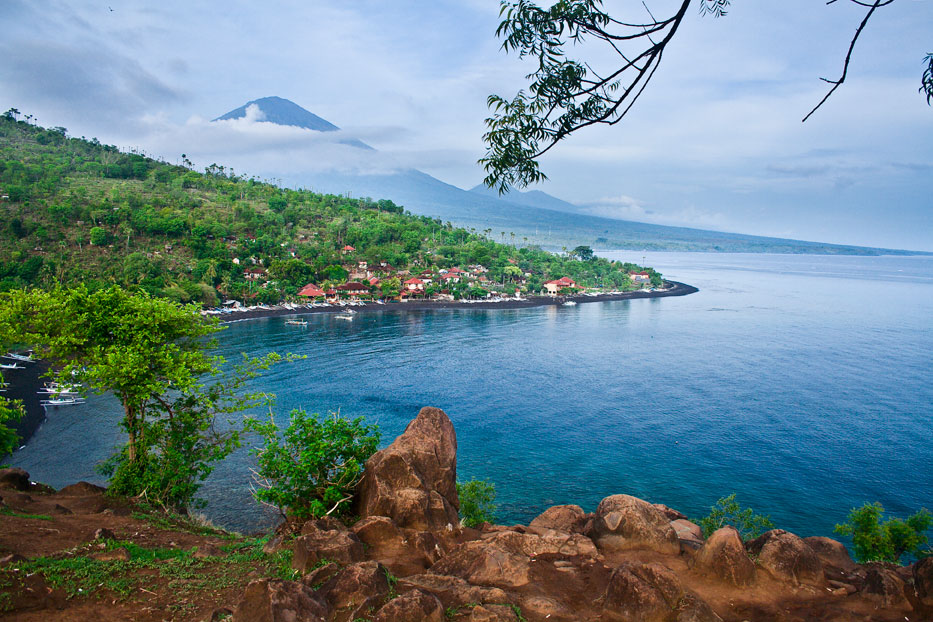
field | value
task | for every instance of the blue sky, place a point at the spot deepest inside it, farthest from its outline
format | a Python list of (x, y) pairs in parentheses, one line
[(716, 141)]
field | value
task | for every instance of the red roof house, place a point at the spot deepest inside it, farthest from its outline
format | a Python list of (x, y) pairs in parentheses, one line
[(311, 291), (553, 287)]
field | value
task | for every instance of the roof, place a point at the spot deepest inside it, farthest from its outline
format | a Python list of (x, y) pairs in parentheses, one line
[(414, 281), (562, 282), (311, 290), (352, 287), (348, 248)]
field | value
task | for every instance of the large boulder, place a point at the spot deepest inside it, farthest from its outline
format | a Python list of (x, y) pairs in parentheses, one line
[(276, 600), (414, 480), (884, 585), (923, 580), (565, 518), (623, 522), (786, 557), (651, 593), (485, 562), (414, 605), (723, 556), (833, 554), (336, 546), (357, 587), (15, 479)]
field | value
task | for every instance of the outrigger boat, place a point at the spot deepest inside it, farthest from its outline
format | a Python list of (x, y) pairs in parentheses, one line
[(62, 401), (11, 366), (26, 358), (53, 388), (346, 315), (296, 322)]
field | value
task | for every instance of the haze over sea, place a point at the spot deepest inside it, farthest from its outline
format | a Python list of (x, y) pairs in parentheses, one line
[(800, 382)]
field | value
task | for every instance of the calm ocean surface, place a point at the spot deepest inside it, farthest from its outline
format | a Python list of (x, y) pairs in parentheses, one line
[(802, 383)]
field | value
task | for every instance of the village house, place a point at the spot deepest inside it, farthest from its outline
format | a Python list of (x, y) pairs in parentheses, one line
[(553, 287), (640, 278), (311, 291), (346, 250), (353, 289), (414, 286), (254, 274)]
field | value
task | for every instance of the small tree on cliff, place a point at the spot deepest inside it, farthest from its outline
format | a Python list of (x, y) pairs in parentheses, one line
[(152, 355), (888, 541)]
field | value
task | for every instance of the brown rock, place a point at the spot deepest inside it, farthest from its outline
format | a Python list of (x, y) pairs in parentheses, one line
[(318, 577), (832, 554), (923, 580), (723, 556), (413, 480), (485, 562), (414, 605), (104, 534), (692, 609), (426, 546), (786, 557), (689, 534), (15, 479), (884, 585), (452, 591), (275, 600), (363, 582), (336, 546), (647, 593), (487, 613), (566, 518), (670, 513), (623, 522), (325, 523), (120, 554), (539, 607), (379, 533), (81, 489)]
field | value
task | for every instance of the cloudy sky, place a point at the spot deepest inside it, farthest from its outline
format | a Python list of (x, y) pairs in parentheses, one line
[(716, 141)]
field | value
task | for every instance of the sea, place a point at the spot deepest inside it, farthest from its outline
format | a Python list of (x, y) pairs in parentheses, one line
[(801, 383)]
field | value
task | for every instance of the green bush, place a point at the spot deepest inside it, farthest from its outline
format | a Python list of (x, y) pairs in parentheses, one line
[(10, 412), (727, 511), (314, 467), (477, 502), (888, 541)]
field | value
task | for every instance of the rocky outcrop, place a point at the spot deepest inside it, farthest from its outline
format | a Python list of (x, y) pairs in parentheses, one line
[(414, 480), (923, 581), (786, 557), (723, 556), (651, 593), (333, 545), (276, 600), (623, 523), (414, 605), (565, 518)]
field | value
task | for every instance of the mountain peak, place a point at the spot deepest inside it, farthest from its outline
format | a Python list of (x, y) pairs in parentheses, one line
[(282, 112)]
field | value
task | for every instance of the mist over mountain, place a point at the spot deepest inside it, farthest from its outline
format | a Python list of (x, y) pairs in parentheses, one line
[(534, 217)]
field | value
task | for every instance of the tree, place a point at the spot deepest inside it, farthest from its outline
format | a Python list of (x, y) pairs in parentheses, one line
[(888, 541), (727, 511), (477, 502), (313, 467), (566, 95), (583, 253), (152, 355)]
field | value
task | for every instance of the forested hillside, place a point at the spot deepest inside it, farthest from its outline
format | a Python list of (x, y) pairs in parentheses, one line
[(75, 210)]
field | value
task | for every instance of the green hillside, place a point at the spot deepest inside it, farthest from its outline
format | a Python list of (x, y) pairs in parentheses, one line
[(77, 211)]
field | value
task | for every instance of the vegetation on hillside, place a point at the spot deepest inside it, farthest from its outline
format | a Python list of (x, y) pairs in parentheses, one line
[(74, 210)]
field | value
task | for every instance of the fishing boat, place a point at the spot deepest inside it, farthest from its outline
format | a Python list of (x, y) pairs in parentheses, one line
[(570, 303), (62, 401), (346, 315), (54, 388), (296, 322), (11, 366), (26, 358)]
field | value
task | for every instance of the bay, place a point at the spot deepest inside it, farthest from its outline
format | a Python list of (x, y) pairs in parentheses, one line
[(800, 382)]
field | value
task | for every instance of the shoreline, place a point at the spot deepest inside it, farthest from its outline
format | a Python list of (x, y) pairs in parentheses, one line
[(676, 289)]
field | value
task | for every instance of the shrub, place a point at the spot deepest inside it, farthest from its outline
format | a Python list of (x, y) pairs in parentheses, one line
[(10, 412), (888, 541), (312, 470), (477, 502), (727, 511), (99, 236)]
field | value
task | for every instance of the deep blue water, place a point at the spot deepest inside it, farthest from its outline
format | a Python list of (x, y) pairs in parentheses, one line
[(802, 383)]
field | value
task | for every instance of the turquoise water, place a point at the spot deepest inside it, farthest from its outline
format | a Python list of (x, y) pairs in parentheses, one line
[(802, 383)]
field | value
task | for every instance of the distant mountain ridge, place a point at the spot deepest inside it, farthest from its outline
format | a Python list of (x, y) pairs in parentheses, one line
[(534, 217)]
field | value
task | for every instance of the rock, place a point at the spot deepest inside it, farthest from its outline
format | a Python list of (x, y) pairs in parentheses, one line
[(363, 582), (379, 533), (786, 557), (325, 523), (884, 585), (425, 546), (15, 479), (723, 556), (647, 593), (842, 588), (692, 609), (208, 550), (566, 518), (623, 522), (414, 605), (81, 489), (670, 513), (318, 577), (274, 544), (104, 534), (413, 480), (832, 553), (689, 534), (539, 607), (923, 580), (485, 562), (452, 591), (276, 600), (487, 613), (336, 546), (119, 554)]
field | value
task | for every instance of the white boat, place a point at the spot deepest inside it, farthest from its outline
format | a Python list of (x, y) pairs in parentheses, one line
[(53, 388), (26, 358), (570, 303), (11, 366), (296, 322), (62, 401), (346, 315)]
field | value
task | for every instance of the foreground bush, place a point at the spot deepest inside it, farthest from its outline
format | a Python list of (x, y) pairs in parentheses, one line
[(886, 541), (727, 511), (477, 502), (312, 468)]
